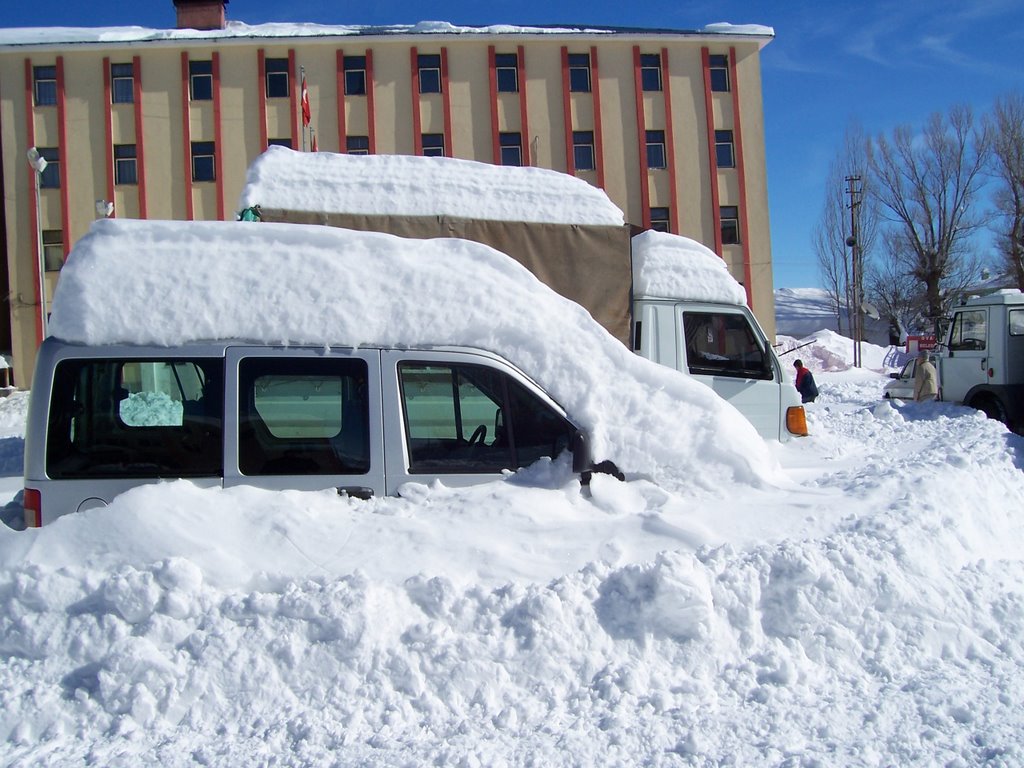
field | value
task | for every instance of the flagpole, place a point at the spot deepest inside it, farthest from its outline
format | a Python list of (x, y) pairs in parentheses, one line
[(303, 96)]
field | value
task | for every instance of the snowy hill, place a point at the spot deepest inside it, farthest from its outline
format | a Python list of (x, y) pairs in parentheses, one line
[(800, 312), (868, 612)]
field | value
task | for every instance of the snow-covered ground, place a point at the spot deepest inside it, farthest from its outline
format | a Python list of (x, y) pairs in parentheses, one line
[(870, 612)]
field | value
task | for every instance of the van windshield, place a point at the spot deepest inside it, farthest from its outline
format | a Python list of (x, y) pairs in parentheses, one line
[(118, 418)]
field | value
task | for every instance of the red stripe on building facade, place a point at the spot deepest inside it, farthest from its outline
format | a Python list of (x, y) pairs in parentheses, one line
[(709, 120), (641, 129), (218, 139), (186, 137), (261, 98), (370, 113), (492, 82), (34, 212), (595, 87), (446, 101), (570, 159), (670, 145), (524, 121), (339, 84), (140, 144), (62, 138), (294, 93), (741, 176), (108, 128), (417, 136)]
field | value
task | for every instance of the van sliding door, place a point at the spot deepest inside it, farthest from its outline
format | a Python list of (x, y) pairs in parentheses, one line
[(305, 419)]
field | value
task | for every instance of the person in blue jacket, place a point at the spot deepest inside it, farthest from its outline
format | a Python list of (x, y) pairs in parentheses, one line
[(805, 382)]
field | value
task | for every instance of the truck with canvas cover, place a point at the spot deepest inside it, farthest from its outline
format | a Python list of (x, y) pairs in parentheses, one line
[(664, 296)]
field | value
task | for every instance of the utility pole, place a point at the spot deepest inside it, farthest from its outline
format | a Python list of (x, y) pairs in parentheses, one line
[(854, 190)]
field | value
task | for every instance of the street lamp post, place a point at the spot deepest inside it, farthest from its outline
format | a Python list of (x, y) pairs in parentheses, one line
[(38, 164)]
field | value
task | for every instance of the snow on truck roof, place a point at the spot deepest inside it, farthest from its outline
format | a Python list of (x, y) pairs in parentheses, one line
[(172, 282), (671, 266), (404, 185)]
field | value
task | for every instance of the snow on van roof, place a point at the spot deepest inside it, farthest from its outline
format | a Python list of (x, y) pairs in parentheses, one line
[(326, 182), (171, 282), (666, 265)]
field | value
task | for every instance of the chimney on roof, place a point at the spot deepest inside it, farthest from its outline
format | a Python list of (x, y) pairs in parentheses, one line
[(200, 14)]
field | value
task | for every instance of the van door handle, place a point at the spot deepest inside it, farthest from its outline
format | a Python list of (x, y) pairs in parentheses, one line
[(356, 492)]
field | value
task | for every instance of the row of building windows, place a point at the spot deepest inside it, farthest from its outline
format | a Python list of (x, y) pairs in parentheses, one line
[(510, 146), (277, 77)]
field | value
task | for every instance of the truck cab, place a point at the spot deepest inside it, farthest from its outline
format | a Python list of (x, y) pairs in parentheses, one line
[(981, 362), (723, 347)]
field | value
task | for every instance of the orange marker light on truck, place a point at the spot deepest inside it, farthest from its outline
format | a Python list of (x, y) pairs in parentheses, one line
[(33, 502), (796, 420)]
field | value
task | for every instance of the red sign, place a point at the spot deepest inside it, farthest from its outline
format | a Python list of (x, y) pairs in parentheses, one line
[(917, 343)]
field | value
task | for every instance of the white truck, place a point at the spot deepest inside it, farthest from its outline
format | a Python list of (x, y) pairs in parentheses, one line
[(981, 359), (666, 297)]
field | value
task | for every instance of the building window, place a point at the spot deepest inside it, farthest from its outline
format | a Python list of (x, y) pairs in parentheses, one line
[(45, 85), (53, 249), (122, 83), (650, 71), (277, 78), (357, 145), (583, 150), (286, 142), (433, 144), (656, 149), (126, 169), (719, 72), (730, 216), (203, 165), (659, 219), (355, 75), (579, 72), (506, 72), (50, 177), (511, 145), (200, 80), (430, 72), (724, 155)]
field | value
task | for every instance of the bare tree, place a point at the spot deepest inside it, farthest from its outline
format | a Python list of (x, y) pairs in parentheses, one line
[(928, 185), (1007, 130), (834, 226)]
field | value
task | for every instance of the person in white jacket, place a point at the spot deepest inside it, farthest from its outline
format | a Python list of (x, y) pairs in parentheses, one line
[(925, 381)]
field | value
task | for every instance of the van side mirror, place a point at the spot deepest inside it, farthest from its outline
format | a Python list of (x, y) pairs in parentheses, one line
[(580, 447)]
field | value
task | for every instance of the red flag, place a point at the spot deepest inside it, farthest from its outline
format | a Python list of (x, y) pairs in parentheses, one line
[(315, 148), (305, 101)]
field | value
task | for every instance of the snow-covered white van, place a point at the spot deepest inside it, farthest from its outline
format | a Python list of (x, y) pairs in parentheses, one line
[(106, 418)]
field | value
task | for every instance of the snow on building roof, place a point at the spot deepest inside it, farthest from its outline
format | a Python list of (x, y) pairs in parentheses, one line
[(408, 185), (666, 265), (16, 36), (173, 282)]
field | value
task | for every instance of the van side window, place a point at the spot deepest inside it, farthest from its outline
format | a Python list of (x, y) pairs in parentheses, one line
[(969, 330), (136, 418), (723, 344), (303, 417), (473, 419)]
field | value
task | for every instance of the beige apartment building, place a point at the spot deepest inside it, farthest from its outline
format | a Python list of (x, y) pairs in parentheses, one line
[(162, 124)]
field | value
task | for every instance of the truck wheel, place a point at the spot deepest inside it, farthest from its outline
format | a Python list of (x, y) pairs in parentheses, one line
[(991, 407)]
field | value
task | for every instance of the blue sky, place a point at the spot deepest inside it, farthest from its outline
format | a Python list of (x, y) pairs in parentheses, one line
[(879, 62)]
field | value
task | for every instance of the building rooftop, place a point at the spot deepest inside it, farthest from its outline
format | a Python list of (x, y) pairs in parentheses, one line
[(49, 36)]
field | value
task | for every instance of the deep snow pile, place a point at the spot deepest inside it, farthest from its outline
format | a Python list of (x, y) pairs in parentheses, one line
[(291, 283), (871, 614), (421, 186)]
